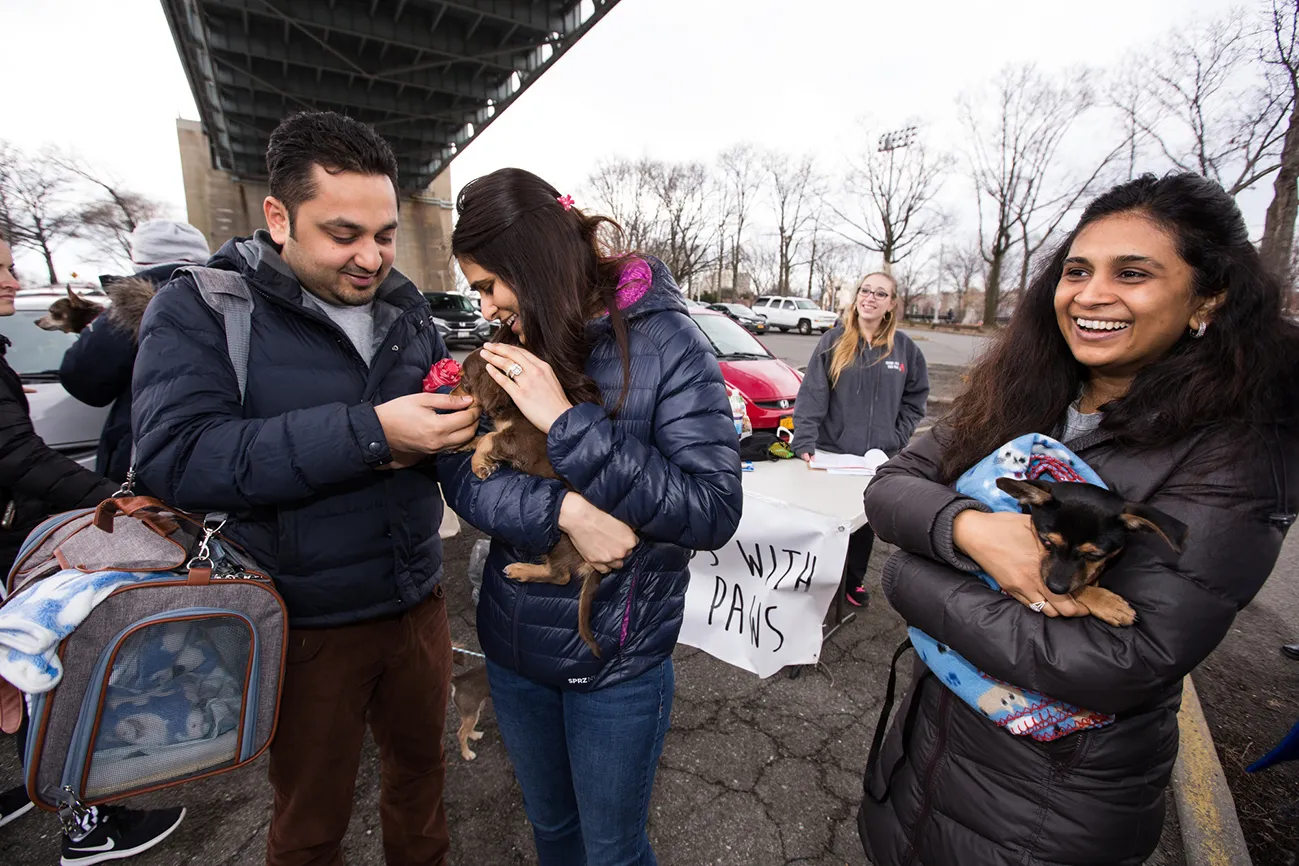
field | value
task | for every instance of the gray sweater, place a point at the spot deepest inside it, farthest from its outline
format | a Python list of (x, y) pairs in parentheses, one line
[(877, 403)]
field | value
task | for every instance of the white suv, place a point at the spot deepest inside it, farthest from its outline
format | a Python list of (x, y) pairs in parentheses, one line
[(800, 313), (65, 424)]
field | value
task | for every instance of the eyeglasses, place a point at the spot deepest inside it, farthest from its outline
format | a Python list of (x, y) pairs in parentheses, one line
[(882, 294)]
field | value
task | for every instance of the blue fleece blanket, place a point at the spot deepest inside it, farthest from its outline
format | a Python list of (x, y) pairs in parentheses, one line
[(1020, 711), (170, 684)]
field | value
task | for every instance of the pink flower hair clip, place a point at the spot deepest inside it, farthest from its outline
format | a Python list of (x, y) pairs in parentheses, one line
[(566, 201)]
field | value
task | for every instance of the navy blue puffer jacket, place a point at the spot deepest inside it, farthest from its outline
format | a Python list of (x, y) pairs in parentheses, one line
[(667, 465), (296, 464), (97, 368)]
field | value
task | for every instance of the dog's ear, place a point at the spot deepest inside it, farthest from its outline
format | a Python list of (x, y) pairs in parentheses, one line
[(1027, 492), (1142, 518), (73, 296)]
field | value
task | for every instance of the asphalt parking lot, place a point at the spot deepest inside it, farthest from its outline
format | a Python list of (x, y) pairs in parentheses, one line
[(754, 772)]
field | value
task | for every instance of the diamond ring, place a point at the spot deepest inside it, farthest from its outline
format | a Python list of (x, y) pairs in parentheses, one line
[(1038, 606), (514, 372)]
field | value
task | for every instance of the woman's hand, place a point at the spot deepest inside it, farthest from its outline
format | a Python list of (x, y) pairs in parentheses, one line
[(1007, 548), (807, 458), (535, 390), (603, 540)]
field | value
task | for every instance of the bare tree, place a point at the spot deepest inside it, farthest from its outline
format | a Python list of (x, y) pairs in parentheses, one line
[(741, 182), (39, 217), (889, 207), (794, 189), (10, 159), (1209, 109), (1282, 55), (623, 189), (963, 265), (686, 230), (1015, 130), (108, 222)]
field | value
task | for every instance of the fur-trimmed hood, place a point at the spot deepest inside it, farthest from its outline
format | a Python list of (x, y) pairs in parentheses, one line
[(130, 297)]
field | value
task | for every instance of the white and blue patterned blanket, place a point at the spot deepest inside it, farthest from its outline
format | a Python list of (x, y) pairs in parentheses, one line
[(34, 623), (168, 684), (1020, 711)]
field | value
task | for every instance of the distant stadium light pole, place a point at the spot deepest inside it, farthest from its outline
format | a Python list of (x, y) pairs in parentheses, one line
[(889, 142)]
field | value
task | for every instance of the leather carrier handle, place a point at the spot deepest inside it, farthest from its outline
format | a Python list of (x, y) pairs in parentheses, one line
[(133, 506)]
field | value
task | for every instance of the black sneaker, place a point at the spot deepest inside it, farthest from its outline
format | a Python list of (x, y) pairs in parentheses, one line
[(858, 596), (121, 833), (14, 803)]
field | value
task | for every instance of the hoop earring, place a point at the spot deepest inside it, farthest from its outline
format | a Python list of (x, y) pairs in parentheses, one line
[(1199, 332)]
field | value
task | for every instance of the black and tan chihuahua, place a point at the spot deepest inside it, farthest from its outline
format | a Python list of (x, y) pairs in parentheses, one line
[(1083, 527), (71, 314)]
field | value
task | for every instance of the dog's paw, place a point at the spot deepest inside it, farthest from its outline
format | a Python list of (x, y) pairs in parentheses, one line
[(1111, 608), (482, 467), (468, 754), (476, 735)]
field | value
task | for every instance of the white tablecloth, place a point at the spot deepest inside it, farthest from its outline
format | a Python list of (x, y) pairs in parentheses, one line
[(836, 496)]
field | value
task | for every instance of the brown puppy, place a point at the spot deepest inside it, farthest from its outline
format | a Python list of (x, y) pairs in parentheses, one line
[(517, 443), (70, 314), (469, 692)]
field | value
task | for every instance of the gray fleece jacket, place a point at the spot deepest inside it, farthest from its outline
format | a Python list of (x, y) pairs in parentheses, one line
[(877, 403)]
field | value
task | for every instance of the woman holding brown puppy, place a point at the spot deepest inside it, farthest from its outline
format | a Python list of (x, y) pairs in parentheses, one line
[(1152, 344), (649, 473)]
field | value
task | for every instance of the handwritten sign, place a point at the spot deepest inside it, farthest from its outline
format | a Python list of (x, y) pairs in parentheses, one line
[(759, 602)]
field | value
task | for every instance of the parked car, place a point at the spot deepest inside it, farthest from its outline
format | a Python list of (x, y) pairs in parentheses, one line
[(742, 316), (66, 424), (457, 319), (800, 313), (768, 384)]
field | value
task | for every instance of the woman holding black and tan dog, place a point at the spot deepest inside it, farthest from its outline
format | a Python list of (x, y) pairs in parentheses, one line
[(1152, 344), (864, 388), (649, 474)]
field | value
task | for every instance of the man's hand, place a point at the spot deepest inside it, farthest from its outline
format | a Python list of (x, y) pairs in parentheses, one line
[(412, 424), (603, 540)]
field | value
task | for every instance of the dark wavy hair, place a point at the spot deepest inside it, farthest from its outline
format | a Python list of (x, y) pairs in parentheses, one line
[(562, 264), (1241, 373), (333, 141)]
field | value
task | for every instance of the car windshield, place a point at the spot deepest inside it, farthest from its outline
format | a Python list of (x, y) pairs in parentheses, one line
[(740, 310), (450, 304), (35, 354), (729, 340), (805, 304)]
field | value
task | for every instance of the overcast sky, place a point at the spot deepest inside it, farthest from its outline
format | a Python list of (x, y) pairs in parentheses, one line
[(674, 79)]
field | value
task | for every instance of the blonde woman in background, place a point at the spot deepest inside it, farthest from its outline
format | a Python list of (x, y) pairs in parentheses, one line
[(864, 388)]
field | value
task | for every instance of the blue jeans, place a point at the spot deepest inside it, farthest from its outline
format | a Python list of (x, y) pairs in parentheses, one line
[(586, 763)]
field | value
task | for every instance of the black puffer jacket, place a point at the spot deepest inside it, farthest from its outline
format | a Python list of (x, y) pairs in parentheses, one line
[(952, 787), (35, 480)]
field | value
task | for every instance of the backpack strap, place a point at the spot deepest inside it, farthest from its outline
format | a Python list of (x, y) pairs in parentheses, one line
[(228, 294)]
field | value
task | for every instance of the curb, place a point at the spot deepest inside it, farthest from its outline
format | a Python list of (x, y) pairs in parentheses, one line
[(1211, 834)]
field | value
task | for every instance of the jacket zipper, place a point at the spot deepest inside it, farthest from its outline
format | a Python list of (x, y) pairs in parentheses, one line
[(927, 804)]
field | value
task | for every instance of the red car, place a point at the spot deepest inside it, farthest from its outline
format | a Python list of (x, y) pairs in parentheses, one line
[(768, 384)]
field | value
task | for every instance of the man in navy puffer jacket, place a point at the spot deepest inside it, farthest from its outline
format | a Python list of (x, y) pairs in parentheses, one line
[(339, 347)]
